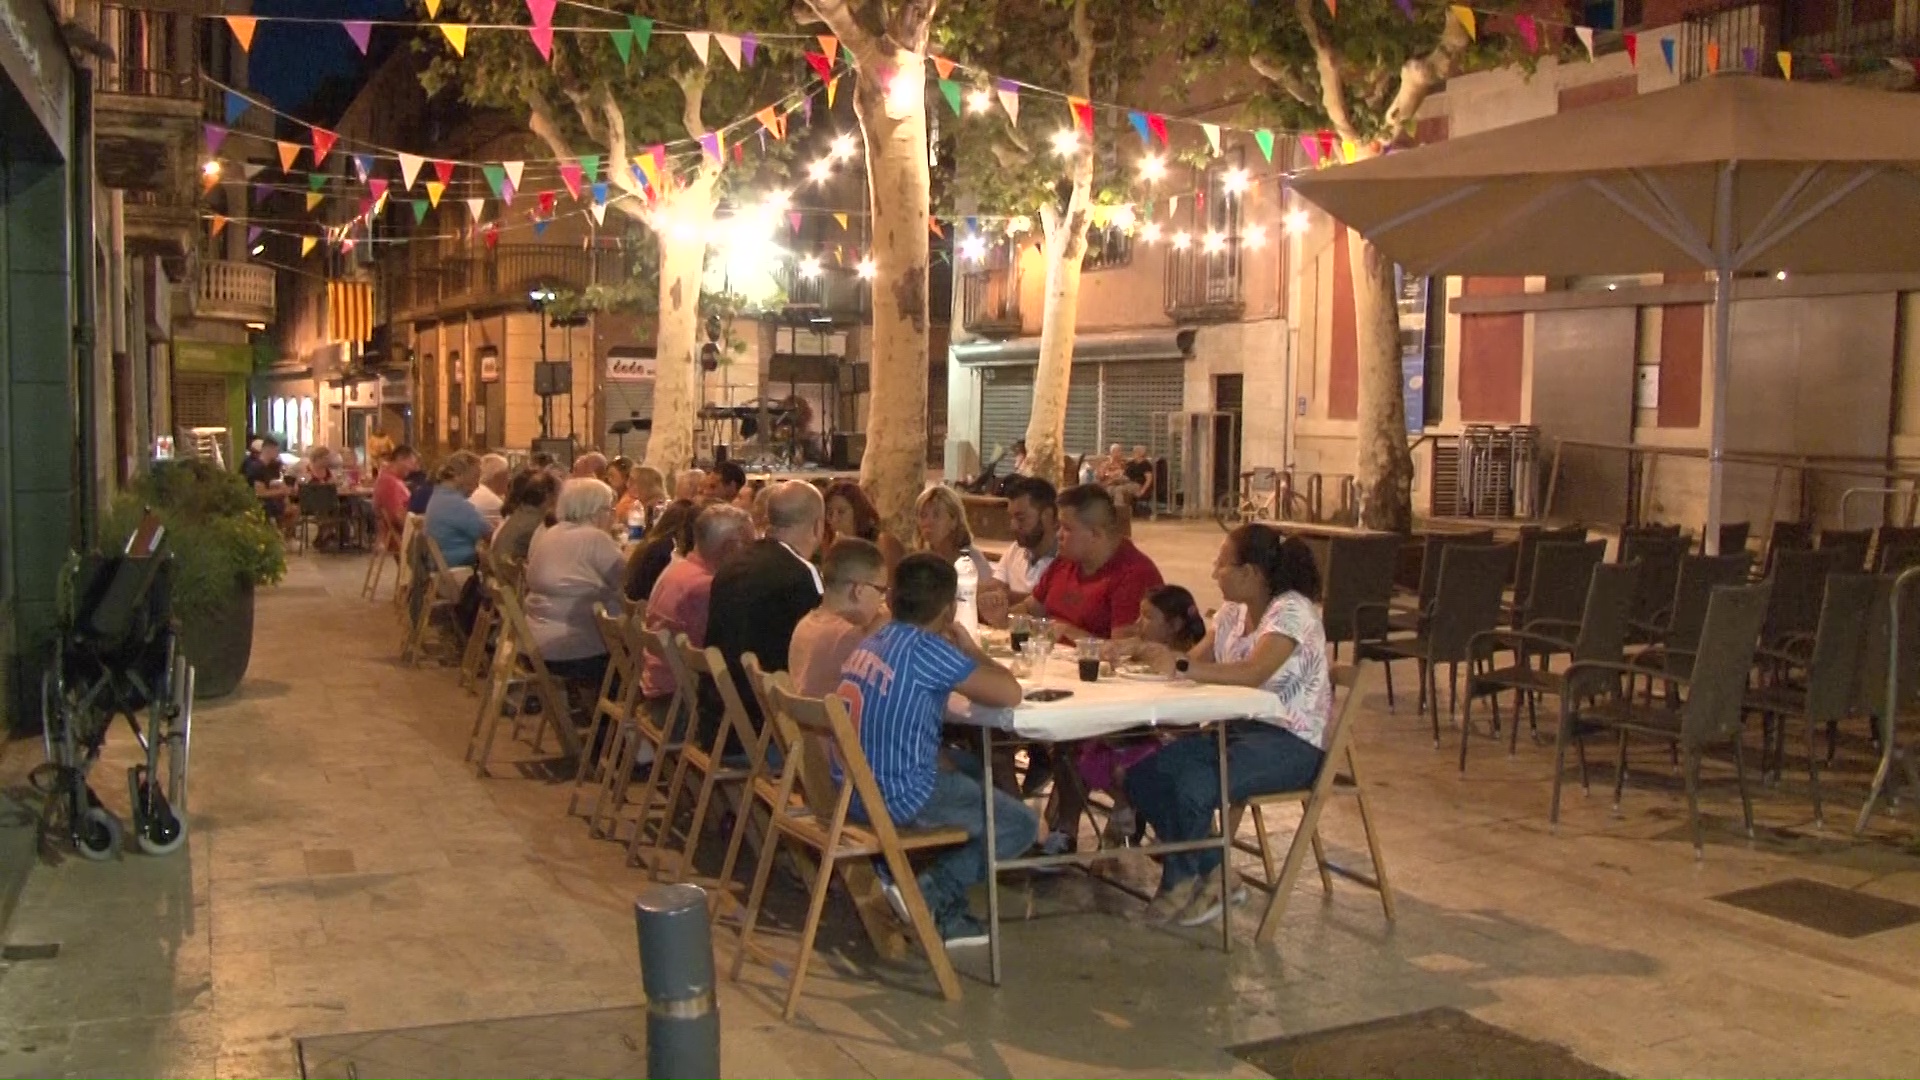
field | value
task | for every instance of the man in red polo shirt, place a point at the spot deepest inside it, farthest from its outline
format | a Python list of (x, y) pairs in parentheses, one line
[(1098, 579)]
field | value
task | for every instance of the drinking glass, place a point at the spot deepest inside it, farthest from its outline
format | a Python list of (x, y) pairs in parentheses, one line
[(1089, 654), (1036, 652), (1019, 629)]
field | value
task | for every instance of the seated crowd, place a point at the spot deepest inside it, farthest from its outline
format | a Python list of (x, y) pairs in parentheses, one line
[(811, 585)]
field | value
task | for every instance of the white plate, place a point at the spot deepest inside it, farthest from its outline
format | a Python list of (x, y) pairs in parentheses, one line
[(1143, 676)]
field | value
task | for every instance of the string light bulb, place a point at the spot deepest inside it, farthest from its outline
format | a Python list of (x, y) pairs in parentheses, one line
[(907, 87), (1018, 224), (1236, 181), (1124, 218), (810, 267), (1153, 167), (1255, 237), (979, 100), (973, 248), (779, 199), (1150, 232), (1213, 242), (819, 171), (866, 269), (1295, 222), (1066, 142), (842, 148), (211, 170), (1182, 241)]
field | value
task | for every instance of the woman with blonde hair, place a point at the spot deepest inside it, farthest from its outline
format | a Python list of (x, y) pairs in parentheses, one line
[(941, 519)]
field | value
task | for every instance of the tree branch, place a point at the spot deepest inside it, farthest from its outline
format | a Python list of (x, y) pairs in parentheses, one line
[(1285, 78), (544, 121), (693, 94), (1333, 88), (1420, 77)]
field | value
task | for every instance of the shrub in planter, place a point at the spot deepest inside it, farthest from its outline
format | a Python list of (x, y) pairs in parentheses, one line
[(222, 546)]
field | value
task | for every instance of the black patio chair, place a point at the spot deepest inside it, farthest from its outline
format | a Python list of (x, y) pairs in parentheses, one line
[(1786, 536), (1675, 636), (1531, 538), (1894, 548), (1849, 547), (320, 508), (1799, 581), (1815, 680), (1359, 587), (1557, 587), (1601, 636), (1433, 548), (1733, 538), (1707, 715), (1659, 558), (1466, 602)]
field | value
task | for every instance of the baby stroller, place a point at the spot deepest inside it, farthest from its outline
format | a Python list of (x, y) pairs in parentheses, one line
[(117, 654)]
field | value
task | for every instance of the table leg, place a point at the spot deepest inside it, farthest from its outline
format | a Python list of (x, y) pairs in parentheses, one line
[(1226, 845), (993, 858)]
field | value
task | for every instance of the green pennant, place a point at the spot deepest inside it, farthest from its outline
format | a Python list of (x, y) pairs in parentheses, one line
[(622, 43), (642, 30), (496, 177), (419, 210), (951, 91), (316, 181), (1265, 139), (590, 166), (846, 54)]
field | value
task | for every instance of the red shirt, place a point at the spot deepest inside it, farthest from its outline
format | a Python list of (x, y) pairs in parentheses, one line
[(1106, 601), (390, 499)]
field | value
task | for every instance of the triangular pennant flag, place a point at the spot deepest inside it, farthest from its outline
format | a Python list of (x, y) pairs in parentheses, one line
[(409, 168), (491, 236), (261, 191), (377, 188), (456, 35), (1082, 110), (363, 166), (772, 121), (507, 191), (649, 174), (729, 48), (794, 218), (542, 41), (215, 135), (443, 170), (542, 11), (658, 154), (1749, 58), (1326, 144), (749, 45), (943, 67), (360, 31), (1832, 65), (236, 107), (1333, 8), (599, 212), (419, 210), (496, 178), (433, 9), (590, 167), (254, 232), (622, 44), (710, 142), (1786, 64), (219, 223), (846, 55), (514, 169), (1529, 31), (323, 141), (833, 85), (570, 176), (1463, 15), (642, 31), (933, 226), (1158, 125), (599, 190), (242, 27), (1713, 57), (1139, 122), (307, 245), (252, 169), (829, 45), (476, 207), (842, 219), (1009, 95), (697, 40), (540, 227), (822, 65), (740, 150), (951, 91), (1264, 139), (289, 153), (1632, 43), (316, 181), (1666, 52), (1585, 34), (1213, 137), (435, 189)]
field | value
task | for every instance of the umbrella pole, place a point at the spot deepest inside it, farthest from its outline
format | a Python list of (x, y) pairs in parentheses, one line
[(1722, 377)]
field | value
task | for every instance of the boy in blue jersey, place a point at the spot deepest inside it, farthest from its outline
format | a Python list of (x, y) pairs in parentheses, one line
[(896, 686)]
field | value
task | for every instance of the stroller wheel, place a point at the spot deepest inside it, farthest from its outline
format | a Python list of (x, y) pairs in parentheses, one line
[(96, 835)]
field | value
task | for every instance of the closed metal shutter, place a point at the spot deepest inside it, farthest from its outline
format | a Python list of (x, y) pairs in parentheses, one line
[(1083, 411), (625, 400), (1006, 404), (1133, 394), (199, 401)]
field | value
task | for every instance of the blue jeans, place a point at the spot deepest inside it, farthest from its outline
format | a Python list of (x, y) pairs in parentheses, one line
[(958, 803), (1178, 789)]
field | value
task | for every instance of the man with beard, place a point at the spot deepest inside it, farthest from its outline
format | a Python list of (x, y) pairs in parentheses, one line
[(1036, 528)]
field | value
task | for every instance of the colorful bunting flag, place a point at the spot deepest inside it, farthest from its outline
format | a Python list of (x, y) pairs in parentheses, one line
[(933, 226), (307, 244), (540, 227), (951, 91), (794, 218), (419, 210), (323, 141), (829, 44), (943, 67), (749, 45), (254, 233), (622, 44), (491, 236), (476, 207), (1009, 95), (697, 40), (658, 154), (443, 170), (314, 199), (1749, 58), (1158, 125), (599, 212), (242, 27), (1311, 146), (542, 11), (1082, 110), (1463, 15), (215, 135), (842, 219), (236, 107), (507, 191), (1666, 52), (514, 169), (649, 171), (1713, 57), (542, 41), (456, 35), (219, 223), (316, 181), (377, 188), (1786, 64), (261, 191), (1333, 8), (600, 193), (433, 9), (435, 189), (545, 201), (496, 178), (570, 176), (409, 168), (642, 31), (833, 85), (822, 65), (1632, 43), (772, 121), (710, 142), (1585, 34), (1264, 139), (1139, 122), (363, 166), (1529, 31), (289, 153), (360, 31), (1828, 61), (729, 48), (1213, 137)]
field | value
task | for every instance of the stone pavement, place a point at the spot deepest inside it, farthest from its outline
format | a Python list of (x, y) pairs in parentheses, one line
[(348, 875)]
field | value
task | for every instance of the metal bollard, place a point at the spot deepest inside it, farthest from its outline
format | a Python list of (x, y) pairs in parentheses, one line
[(676, 969)]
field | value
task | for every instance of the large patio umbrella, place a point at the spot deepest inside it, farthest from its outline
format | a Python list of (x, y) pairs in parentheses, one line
[(1730, 174)]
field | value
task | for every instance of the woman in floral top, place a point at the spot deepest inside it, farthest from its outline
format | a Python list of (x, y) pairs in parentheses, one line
[(1268, 634)]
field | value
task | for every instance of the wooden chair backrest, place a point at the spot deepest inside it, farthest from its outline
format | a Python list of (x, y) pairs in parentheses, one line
[(515, 620), (709, 664), (762, 683), (621, 671), (660, 645), (824, 734), (1338, 737), (433, 552)]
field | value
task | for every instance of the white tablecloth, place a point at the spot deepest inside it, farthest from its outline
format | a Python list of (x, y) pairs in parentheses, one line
[(1116, 703)]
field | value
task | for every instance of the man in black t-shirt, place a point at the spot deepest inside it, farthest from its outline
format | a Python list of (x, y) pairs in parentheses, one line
[(263, 473), (1139, 473)]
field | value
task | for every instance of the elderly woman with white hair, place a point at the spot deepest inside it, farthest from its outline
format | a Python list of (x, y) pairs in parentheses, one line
[(572, 565)]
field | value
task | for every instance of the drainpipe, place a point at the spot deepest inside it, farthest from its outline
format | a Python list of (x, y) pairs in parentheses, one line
[(85, 306)]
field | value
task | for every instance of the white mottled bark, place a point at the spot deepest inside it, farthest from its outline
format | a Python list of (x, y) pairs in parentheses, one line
[(681, 223), (1383, 465)]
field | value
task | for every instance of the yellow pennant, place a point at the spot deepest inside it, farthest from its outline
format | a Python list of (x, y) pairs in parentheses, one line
[(842, 219), (1786, 64), (1464, 15), (833, 84), (314, 199), (433, 9), (306, 245), (456, 34), (242, 27), (435, 189)]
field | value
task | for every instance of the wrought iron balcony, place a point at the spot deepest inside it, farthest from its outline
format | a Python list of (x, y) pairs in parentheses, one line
[(500, 278), (836, 294), (149, 101), (1203, 285)]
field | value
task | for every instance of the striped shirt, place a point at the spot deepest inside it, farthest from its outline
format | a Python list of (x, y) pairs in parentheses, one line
[(896, 685)]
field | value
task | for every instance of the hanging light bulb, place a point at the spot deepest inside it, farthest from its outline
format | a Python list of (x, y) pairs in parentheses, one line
[(1236, 181), (1213, 242), (1182, 241), (810, 267), (1255, 237), (866, 268), (1153, 167), (1295, 222), (820, 170), (1123, 217), (1150, 232), (973, 248), (907, 86), (979, 100), (211, 170), (1018, 225), (1066, 142), (842, 148)]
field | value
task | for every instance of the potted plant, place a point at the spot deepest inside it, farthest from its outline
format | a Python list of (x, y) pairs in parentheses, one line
[(222, 547)]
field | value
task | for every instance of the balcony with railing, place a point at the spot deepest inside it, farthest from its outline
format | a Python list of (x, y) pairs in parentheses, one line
[(503, 277), (1826, 36), (1841, 27), (1203, 279), (820, 293), (149, 101), (234, 291), (990, 291)]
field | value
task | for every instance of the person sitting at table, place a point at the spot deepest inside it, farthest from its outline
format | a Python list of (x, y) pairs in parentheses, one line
[(687, 485), (646, 491), (1267, 635), (380, 447), (420, 489), (762, 593), (266, 476), (317, 467), (590, 466), (619, 471), (723, 484), (390, 496), (941, 519), (571, 566), (453, 521), (490, 497), (1098, 576), (679, 600), (671, 535), (527, 509), (852, 608), (896, 686), (851, 514), (1033, 511)]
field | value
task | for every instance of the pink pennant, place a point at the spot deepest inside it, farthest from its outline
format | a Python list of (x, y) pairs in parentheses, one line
[(570, 175), (542, 11), (378, 187), (542, 40), (793, 219), (360, 31), (1529, 31), (1311, 145)]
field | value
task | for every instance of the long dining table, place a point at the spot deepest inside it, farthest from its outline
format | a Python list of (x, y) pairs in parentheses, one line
[(1116, 705)]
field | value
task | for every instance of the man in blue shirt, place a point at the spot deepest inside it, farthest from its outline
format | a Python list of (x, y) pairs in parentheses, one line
[(453, 521), (896, 686)]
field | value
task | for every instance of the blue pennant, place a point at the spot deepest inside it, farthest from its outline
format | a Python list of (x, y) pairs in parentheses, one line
[(236, 107)]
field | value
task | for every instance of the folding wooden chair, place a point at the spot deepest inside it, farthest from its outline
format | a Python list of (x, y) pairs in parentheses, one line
[(612, 710), (386, 548), (438, 592), (517, 666), (711, 762), (664, 737), (1339, 776), (816, 732), (403, 568), (473, 663)]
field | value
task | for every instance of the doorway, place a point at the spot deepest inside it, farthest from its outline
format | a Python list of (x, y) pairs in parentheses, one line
[(1229, 396)]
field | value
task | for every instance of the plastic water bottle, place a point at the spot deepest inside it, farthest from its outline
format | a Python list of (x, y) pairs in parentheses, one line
[(636, 522), (1086, 472), (966, 606)]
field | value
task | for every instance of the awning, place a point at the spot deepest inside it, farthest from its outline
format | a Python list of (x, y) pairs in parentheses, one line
[(1087, 348)]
